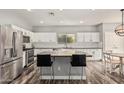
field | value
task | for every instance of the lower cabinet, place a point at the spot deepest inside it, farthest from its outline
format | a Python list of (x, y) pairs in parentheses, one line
[(17, 67), (96, 53)]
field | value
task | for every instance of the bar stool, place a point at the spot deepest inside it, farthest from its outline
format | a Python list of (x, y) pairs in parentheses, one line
[(44, 60), (78, 60)]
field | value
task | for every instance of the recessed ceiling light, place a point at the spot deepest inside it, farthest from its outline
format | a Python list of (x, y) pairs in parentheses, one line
[(61, 9), (41, 22), (61, 21), (81, 22), (93, 9), (29, 10)]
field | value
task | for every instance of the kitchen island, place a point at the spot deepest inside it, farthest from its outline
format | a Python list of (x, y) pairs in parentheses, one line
[(61, 63)]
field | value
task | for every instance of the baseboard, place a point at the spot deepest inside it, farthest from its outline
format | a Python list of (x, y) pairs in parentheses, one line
[(64, 77)]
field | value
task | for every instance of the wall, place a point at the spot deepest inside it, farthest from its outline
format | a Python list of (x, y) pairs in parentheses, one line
[(63, 29), (12, 18), (99, 28), (114, 42), (110, 40)]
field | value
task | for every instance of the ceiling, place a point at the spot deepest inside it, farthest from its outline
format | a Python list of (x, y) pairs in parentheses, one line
[(43, 17)]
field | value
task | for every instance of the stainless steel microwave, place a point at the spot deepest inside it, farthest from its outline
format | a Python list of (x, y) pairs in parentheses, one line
[(26, 39)]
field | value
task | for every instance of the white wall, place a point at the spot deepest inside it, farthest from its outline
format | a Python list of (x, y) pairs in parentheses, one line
[(114, 42), (110, 40), (12, 18), (64, 29)]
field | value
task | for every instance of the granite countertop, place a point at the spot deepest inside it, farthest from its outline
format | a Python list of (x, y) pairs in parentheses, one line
[(64, 53), (67, 48), (27, 49)]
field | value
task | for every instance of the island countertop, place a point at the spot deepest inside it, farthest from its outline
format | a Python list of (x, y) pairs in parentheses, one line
[(64, 53)]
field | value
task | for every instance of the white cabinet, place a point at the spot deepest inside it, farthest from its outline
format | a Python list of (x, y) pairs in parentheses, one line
[(44, 37), (96, 53), (31, 36), (80, 37), (95, 37), (88, 37), (24, 32)]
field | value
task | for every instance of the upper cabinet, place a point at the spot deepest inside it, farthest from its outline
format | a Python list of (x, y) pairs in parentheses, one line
[(88, 37), (95, 37), (80, 37), (44, 37)]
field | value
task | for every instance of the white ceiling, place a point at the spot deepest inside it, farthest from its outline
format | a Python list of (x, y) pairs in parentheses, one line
[(68, 16)]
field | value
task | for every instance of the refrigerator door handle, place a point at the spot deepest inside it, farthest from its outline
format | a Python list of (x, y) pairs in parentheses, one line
[(13, 44)]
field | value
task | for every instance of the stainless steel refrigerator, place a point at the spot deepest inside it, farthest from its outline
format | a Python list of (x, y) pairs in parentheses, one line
[(10, 53)]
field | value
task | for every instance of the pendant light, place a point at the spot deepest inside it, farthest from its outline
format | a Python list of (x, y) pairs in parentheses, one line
[(119, 30)]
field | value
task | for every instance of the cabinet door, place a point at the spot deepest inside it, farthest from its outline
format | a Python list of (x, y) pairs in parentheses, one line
[(31, 36), (87, 37), (80, 37), (95, 37), (44, 37), (97, 54), (36, 37)]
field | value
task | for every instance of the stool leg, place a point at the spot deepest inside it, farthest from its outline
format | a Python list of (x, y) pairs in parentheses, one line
[(104, 66), (111, 67), (53, 71), (41, 72), (82, 74), (69, 72)]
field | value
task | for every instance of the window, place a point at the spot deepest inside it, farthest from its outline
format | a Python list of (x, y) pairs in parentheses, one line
[(66, 38), (70, 38)]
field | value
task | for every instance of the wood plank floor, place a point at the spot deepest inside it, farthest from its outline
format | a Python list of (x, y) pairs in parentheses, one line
[(95, 75)]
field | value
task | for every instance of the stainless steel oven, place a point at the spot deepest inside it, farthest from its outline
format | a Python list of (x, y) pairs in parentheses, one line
[(29, 56)]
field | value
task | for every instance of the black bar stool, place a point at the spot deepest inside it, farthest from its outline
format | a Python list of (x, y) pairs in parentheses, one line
[(78, 60), (44, 60)]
